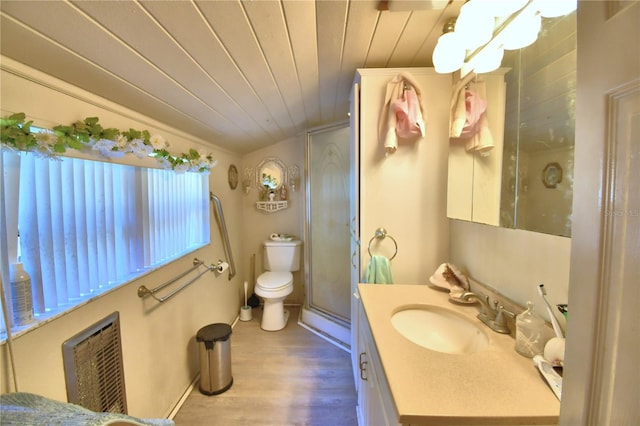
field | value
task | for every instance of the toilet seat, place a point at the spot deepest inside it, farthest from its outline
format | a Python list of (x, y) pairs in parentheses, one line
[(274, 281), (274, 287)]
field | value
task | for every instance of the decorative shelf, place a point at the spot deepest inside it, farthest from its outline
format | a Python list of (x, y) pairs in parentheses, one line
[(271, 206)]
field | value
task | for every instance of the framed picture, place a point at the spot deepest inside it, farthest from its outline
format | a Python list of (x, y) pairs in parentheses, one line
[(233, 176), (552, 175)]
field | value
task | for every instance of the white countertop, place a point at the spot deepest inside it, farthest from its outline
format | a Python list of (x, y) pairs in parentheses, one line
[(493, 386)]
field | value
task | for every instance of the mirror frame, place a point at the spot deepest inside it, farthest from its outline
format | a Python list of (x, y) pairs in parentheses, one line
[(232, 176), (278, 163)]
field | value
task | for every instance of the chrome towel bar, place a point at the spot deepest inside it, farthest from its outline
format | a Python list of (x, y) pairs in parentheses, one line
[(144, 291)]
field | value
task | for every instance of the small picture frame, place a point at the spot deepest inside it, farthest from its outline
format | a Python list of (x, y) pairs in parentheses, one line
[(552, 175), (233, 176)]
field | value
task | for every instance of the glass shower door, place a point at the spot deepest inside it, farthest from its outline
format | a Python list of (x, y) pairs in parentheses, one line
[(327, 225)]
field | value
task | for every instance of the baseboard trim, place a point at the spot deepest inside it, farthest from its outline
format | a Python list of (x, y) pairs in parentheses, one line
[(184, 397)]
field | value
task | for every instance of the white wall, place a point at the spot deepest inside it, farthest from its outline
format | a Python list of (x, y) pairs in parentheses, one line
[(512, 261), (405, 192), (258, 225), (159, 347)]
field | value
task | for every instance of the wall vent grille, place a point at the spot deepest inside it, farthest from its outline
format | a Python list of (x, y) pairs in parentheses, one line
[(93, 367)]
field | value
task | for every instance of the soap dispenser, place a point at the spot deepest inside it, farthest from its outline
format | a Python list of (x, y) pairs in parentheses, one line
[(21, 299), (531, 333)]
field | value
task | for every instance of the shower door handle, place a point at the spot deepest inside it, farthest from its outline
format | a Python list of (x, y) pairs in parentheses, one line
[(352, 231), (363, 366)]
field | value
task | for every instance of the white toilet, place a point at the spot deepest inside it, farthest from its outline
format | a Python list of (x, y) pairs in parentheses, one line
[(280, 258)]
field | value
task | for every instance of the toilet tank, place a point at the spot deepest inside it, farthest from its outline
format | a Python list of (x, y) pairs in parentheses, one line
[(281, 256)]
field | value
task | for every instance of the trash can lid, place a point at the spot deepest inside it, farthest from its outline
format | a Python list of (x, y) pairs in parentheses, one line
[(214, 333)]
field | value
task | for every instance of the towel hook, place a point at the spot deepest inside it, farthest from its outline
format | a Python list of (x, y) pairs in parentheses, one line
[(381, 234)]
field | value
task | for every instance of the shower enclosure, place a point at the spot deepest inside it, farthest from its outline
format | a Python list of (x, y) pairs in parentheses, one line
[(327, 237)]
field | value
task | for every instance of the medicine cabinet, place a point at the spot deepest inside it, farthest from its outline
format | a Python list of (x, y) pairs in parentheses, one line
[(527, 181)]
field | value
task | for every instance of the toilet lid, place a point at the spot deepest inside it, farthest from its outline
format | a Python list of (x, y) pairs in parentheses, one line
[(272, 281)]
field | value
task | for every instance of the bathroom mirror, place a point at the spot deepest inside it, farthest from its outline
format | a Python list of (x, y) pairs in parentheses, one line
[(274, 181), (271, 174), (537, 143), (474, 183)]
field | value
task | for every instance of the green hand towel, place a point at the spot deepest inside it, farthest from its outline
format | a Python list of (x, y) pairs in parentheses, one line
[(379, 270)]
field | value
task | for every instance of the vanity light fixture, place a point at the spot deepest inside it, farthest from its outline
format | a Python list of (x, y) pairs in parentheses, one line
[(475, 41), (449, 53), (246, 184)]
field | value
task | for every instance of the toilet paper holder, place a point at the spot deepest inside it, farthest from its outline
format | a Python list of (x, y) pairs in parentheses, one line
[(220, 267)]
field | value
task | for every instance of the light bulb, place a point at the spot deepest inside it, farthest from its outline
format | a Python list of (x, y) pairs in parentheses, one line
[(555, 8), (500, 8), (448, 55), (521, 32), (488, 60), (474, 26)]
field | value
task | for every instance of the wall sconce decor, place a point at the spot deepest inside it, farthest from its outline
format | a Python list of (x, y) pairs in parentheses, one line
[(475, 41), (294, 177), (247, 179)]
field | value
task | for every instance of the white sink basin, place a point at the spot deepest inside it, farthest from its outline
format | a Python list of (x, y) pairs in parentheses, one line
[(440, 329)]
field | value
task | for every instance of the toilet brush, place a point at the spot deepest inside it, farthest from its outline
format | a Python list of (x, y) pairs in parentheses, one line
[(245, 310)]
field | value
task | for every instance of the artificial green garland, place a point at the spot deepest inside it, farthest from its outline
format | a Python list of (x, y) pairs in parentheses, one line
[(89, 136)]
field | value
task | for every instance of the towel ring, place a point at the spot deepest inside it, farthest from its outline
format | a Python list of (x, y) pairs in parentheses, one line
[(380, 234)]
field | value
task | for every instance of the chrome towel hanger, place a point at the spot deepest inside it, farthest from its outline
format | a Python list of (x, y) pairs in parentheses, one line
[(381, 234)]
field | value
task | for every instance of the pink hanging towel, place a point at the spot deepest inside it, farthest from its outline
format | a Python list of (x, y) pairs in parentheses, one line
[(475, 107), (409, 121), (402, 113)]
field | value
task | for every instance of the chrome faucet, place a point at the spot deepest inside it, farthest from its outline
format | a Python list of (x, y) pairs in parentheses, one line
[(492, 316)]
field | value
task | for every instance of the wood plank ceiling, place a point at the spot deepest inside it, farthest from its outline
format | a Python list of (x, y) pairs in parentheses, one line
[(240, 74)]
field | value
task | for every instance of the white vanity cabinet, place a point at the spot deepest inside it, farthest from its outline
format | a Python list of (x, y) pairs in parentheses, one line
[(375, 404)]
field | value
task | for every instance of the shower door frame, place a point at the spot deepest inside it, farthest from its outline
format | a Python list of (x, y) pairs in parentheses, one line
[(319, 320)]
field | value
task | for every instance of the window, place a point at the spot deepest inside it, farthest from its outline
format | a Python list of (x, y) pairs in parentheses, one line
[(82, 227)]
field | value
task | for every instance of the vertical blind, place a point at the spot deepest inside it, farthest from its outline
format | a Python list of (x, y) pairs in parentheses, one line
[(81, 227)]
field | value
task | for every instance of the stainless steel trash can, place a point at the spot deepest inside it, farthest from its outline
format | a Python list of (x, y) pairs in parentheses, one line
[(215, 358)]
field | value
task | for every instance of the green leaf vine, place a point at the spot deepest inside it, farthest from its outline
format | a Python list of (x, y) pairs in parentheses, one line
[(89, 136)]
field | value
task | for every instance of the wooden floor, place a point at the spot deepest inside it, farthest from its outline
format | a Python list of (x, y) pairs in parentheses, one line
[(288, 377)]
